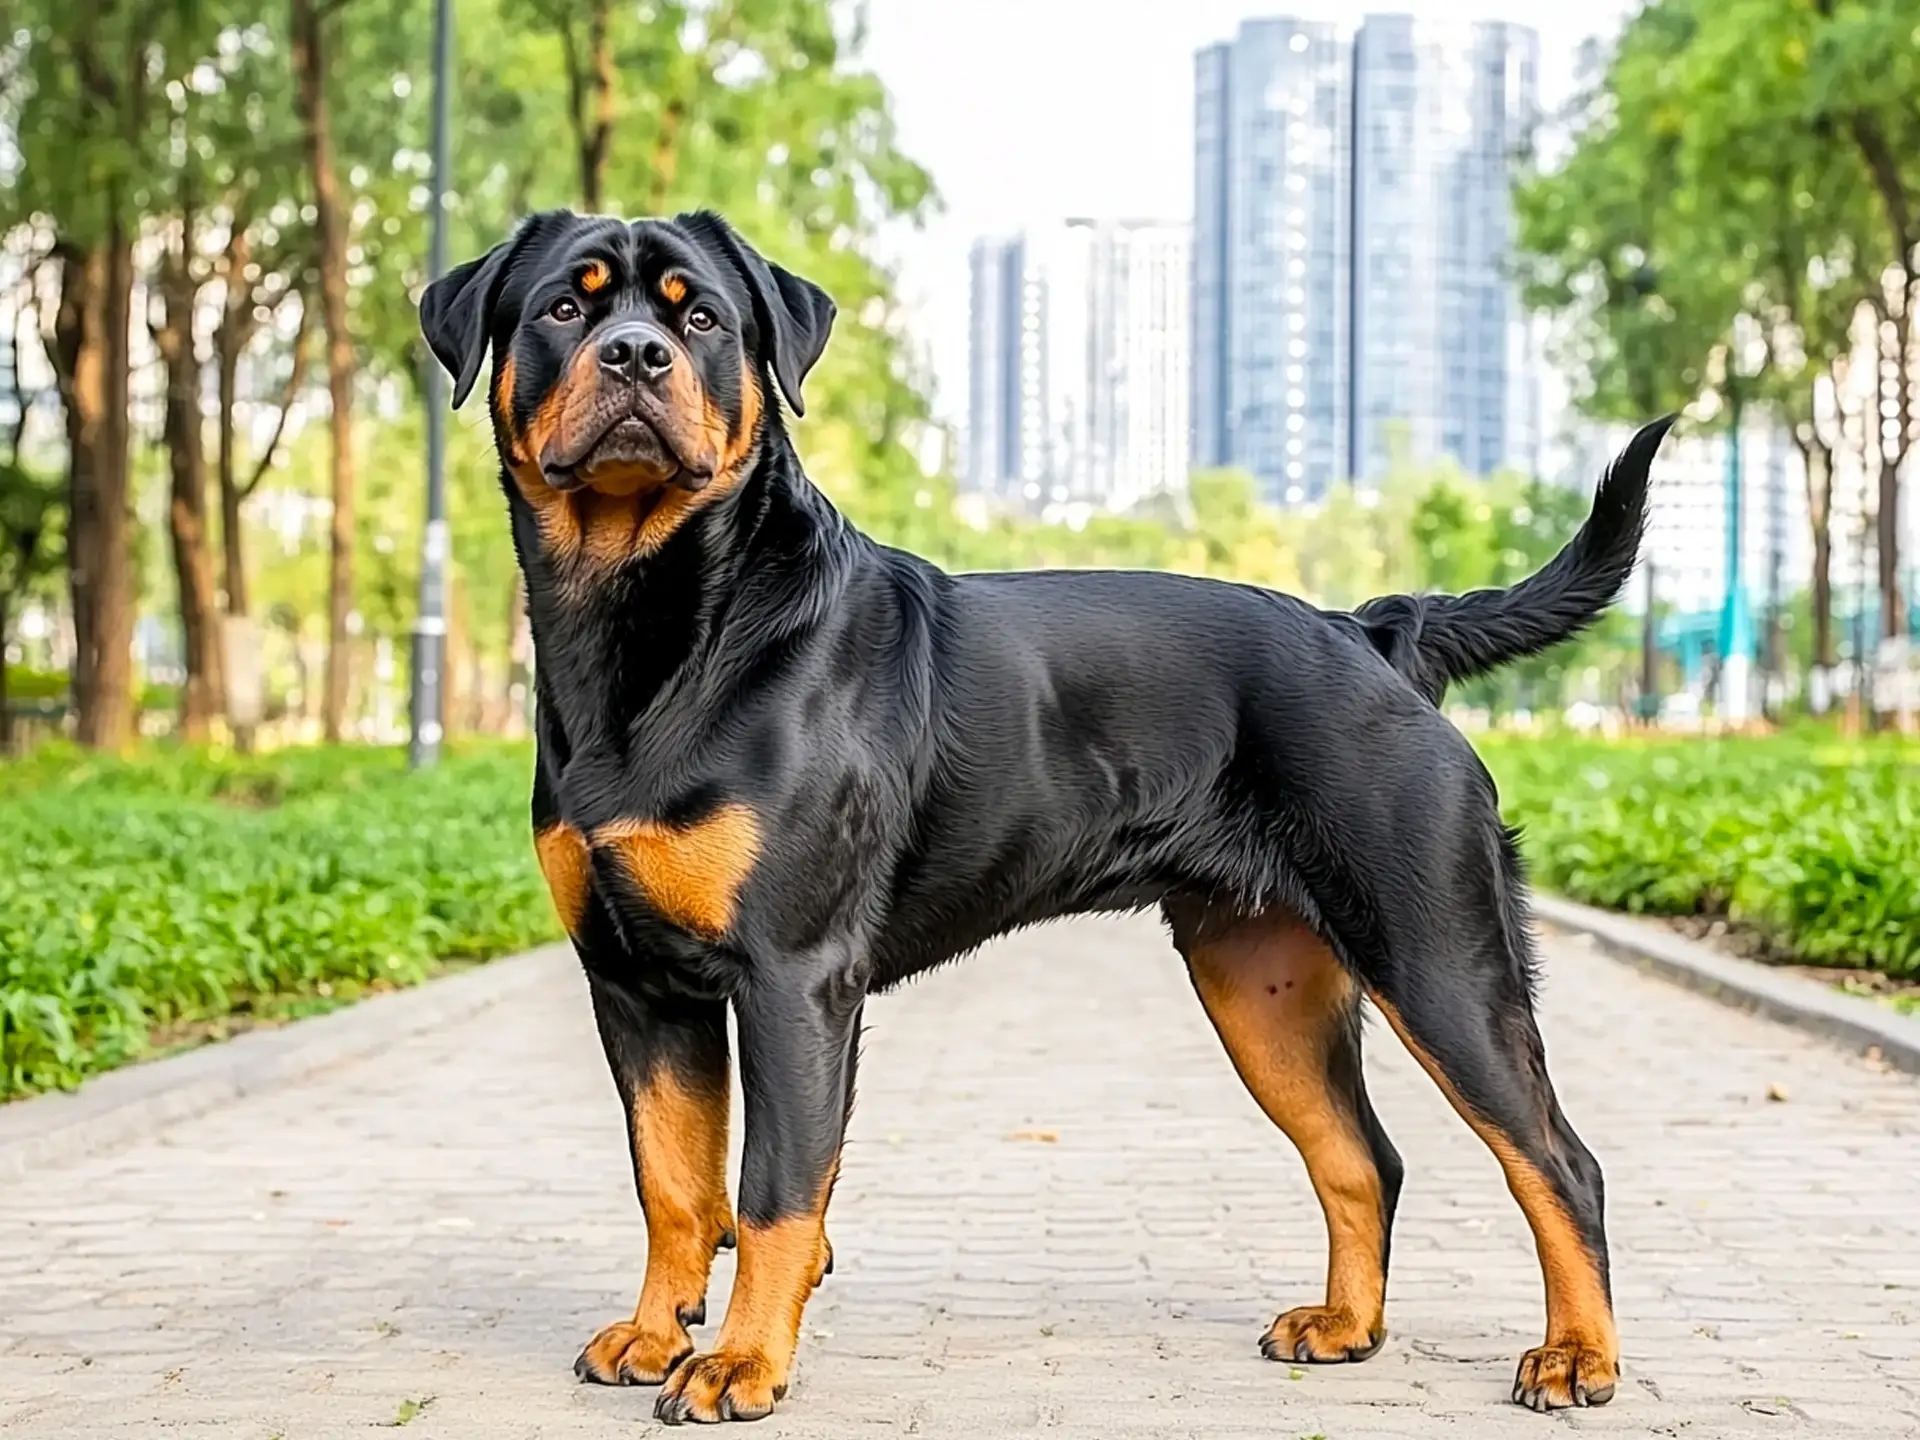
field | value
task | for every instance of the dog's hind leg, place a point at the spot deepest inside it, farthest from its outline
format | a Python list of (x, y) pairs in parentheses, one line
[(1288, 1014), (1467, 1017)]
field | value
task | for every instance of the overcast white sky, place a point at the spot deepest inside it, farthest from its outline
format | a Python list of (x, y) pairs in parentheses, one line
[(1027, 111)]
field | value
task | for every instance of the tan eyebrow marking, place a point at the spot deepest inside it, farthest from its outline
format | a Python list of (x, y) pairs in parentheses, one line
[(674, 288), (597, 277)]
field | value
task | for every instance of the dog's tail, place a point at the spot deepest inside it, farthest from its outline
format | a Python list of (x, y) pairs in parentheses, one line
[(1437, 640)]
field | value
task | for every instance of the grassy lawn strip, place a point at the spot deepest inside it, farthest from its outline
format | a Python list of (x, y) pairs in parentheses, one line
[(155, 903), (160, 902), (1811, 843)]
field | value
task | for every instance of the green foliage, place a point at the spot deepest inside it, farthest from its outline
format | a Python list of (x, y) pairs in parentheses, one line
[(1725, 164), (185, 887), (31, 519), (1811, 842)]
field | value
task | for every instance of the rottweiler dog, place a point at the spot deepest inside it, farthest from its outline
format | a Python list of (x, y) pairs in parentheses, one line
[(783, 767)]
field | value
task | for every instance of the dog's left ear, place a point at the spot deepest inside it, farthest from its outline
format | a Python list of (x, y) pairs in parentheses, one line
[(794, 316), (457, 310)]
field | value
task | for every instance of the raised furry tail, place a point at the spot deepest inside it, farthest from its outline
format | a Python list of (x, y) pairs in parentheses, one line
[(1438, 640)]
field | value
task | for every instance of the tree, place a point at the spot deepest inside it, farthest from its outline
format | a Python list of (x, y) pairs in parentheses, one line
[(248, 296), (203, 695), (309, 35), (1747, 158), (1864, 74), (1641, 305), (85, 121), (1764, 162), (30, 515)]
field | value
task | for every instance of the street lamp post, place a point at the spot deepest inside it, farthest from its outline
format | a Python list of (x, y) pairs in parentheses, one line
[(430, 626)]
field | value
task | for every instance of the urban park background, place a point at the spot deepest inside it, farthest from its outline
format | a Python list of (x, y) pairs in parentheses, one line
[(214, 225)]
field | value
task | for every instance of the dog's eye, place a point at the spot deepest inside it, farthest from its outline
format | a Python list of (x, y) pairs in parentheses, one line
[(702, 319), (565, 310)]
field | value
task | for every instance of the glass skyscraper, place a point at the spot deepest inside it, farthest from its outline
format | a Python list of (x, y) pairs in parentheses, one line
[(1351, 230), (1078, 390), (1006, 382), (1271, 218)]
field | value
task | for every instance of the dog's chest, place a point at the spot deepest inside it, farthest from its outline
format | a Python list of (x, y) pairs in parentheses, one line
[(689, 874)]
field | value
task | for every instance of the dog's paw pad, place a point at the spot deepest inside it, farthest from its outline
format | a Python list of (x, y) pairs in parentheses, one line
[(1555, 1377), (626, 1354), (1321, 1335), (720, 1386)]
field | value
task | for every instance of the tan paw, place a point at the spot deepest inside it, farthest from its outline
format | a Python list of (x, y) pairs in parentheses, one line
[(626, 1354), (1318, 1335), (720, 1386), (1554, 1377)]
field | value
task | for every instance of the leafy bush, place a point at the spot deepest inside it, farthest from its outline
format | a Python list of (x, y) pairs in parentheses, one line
[(1813, 843), (184, 887)]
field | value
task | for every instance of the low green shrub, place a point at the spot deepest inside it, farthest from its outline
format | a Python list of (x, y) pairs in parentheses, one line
[(142, 895), (1812, 842)]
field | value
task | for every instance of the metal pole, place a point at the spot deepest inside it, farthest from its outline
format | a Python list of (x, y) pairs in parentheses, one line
[(1650, 655), (1736, 620), (1776, 660), (430, 628)]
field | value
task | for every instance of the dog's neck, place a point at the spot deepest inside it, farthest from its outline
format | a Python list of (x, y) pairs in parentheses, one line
[(665, 639)]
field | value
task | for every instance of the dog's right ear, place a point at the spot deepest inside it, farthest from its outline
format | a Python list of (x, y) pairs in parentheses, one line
[(457, 311)]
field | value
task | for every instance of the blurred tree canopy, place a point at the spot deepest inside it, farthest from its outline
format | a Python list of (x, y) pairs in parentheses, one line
[(1742, 195), (214, 222)]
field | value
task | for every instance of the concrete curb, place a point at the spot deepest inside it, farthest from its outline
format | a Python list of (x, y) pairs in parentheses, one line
[(126, 1104), (1850, 1021)]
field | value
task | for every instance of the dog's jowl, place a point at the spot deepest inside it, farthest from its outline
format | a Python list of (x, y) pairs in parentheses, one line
[(782, 767)]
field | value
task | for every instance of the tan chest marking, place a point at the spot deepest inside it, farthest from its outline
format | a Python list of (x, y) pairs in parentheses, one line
[(691, 874), (566, 863)]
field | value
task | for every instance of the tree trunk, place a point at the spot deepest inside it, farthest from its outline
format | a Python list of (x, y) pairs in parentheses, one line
[(1817, 460), (1894, 345), (331, 232), (205, 693), (6, 712), (230, 343), (1895, 335), (592, 134), (519, 657), (1893, 610), (451, 653), (92, 357)]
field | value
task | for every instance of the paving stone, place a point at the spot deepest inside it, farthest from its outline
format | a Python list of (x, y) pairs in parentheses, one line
[(445, 1222)]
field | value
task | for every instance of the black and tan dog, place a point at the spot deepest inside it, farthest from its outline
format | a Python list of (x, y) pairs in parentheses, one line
[(782, 767)]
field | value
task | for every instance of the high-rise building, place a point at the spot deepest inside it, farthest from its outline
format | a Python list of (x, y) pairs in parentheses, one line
[(1007, 366), (1271, 216), (1352, 306), (1439, 108), (1079, 364)]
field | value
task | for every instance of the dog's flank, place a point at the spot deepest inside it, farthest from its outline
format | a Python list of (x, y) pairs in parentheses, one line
[(1440, 640)]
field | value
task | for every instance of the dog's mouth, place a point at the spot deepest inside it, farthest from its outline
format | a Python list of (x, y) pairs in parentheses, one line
[(629, 456)]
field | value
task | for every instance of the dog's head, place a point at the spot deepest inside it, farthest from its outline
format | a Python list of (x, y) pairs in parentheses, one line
[(631, 361)]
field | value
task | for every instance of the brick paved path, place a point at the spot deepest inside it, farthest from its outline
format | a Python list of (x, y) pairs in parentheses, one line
[(446, 1225)]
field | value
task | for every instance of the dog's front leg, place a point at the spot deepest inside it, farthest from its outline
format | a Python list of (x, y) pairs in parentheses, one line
[(799, 1032), (669, 1062)]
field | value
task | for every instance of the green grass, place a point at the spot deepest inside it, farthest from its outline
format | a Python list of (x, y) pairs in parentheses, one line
[(173, 896), (1812, 842)]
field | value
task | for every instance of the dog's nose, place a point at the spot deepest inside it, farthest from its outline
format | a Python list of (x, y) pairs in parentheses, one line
[(635, 353)]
